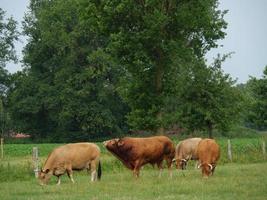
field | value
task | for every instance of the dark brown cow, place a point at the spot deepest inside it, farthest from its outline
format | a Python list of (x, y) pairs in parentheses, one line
[(208, 152), (136, 152)]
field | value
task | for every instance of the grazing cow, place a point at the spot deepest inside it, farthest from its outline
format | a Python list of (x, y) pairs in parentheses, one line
[(186, 150), (76, 156), (136, 152), (208, 153)]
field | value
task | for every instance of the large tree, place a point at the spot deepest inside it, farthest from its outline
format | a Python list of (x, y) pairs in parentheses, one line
[(153, 40), (86, 59), (8, 35), (66, 90), (207, 99), (256, 115)]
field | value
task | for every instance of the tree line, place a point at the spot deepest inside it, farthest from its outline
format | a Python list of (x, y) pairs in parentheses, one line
[(104, 68)]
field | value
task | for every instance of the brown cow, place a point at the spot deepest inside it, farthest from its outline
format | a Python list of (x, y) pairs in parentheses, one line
[(186, 150), (136, 152), (76, 156), (208, 152)]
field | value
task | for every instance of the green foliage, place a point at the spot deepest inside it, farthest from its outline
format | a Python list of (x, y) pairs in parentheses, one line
[(3, 119), (239, 132), (256, 115), (67, 91), (206, 99), (153, 40), (8, 34), (95, 68)]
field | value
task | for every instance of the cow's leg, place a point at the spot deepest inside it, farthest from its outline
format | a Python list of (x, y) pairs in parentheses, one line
[(93, 171), (136, 170), (160, 166), (197, 163), (169, 164), (70, 174)]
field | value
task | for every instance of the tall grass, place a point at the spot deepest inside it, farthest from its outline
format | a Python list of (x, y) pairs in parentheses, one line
[(244, 178), (231, 181), (17, 163)]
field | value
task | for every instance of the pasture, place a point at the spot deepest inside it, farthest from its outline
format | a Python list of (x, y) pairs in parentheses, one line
[(244, 178)]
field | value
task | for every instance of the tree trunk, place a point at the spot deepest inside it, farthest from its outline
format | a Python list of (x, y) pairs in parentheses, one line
[(160, 130), (210, 129), (158, 84)]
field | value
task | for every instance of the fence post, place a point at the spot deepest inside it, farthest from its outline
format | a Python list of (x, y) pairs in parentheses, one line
[(35, 161), (2, 148), (264, 149), (229, 150)]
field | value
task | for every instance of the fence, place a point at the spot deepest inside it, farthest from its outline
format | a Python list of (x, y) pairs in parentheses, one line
[(245, 150), (35, 160), (2, 147)]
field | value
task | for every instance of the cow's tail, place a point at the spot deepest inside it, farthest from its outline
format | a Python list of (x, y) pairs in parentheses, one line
[(99, 171)]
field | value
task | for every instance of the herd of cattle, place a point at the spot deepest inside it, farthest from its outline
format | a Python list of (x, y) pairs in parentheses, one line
[(133, 153)]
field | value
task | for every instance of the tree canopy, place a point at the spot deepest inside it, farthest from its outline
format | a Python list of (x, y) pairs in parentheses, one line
[(101, 68), (256, 116), (8, 35), (153, 40), (67, 86)]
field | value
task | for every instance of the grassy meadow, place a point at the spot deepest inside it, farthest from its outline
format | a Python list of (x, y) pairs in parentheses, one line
[(244, 178)]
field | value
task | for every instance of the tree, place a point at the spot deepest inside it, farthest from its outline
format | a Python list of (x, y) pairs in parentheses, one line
[(256, 115), (207, 99), (8, 35), (89, 65), (67, 89), (152, 40)]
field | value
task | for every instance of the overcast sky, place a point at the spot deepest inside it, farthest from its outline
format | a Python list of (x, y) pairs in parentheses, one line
[(246, 36)]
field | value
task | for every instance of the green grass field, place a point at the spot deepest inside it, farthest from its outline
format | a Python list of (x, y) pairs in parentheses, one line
[(244, 178), (231, 181)]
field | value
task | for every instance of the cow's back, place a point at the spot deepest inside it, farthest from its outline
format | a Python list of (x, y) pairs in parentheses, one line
[(76, 154), (208, 151), (187, 148), (150, 149)]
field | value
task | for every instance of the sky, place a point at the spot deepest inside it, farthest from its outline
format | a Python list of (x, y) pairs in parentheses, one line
[(246, 36)]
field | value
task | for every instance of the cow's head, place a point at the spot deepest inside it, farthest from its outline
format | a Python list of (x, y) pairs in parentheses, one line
[(180, 163), (44, 176), (118, 146), (111, 144), (207, 169)]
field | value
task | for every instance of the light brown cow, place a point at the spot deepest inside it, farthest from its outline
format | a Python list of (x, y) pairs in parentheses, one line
[(186, 150), (69, 157), (136, 152), (208, 152)]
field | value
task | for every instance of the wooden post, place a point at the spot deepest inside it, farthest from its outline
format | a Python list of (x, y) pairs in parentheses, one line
[(2, 148), (264, 149), (35, 161), (229, 151)]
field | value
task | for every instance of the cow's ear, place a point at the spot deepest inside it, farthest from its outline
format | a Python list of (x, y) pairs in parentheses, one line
[(120, 143)]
